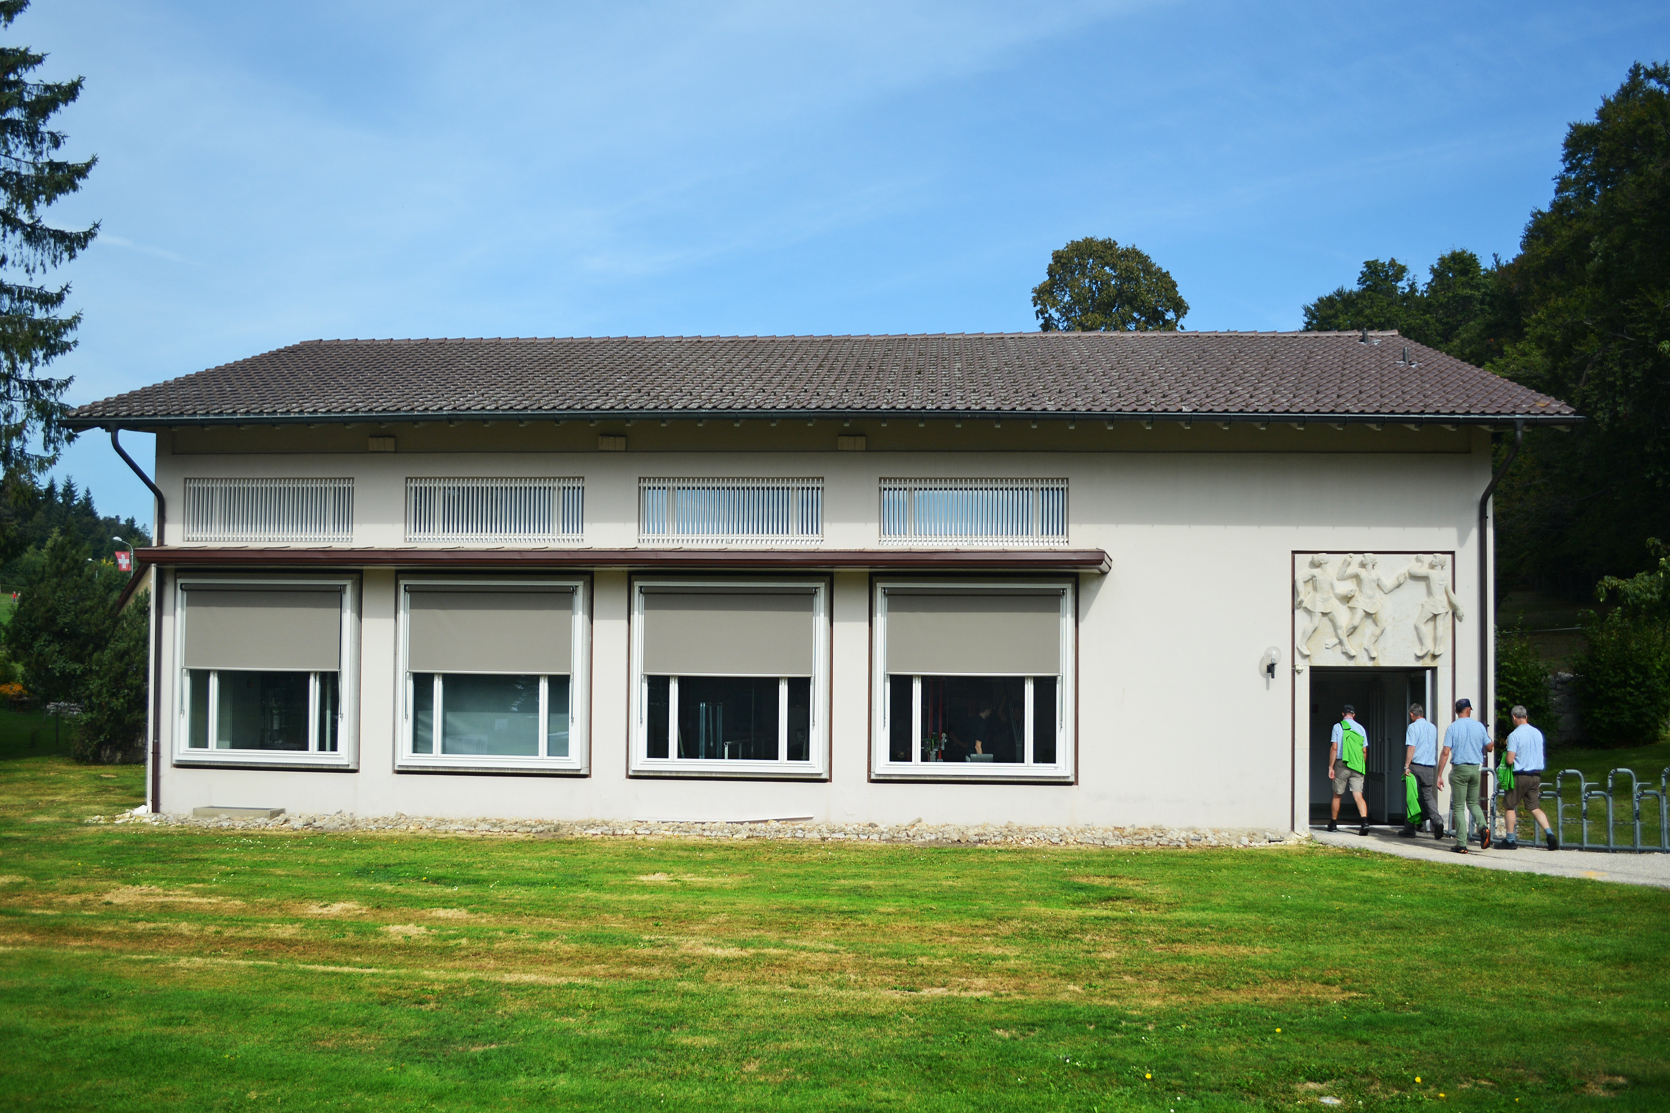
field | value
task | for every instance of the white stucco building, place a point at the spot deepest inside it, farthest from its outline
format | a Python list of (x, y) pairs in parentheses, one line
[(1042, 578)]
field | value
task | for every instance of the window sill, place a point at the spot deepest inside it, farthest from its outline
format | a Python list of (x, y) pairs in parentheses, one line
[(262, 759), (951, 772), (548, 767), (730, 770)]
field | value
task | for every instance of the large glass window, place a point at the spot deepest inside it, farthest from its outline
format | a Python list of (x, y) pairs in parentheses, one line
[(975, 720), (261, 676), (725, 678), (731, 718), (243, 710), (971, 680), (490, 674), (490, 716)]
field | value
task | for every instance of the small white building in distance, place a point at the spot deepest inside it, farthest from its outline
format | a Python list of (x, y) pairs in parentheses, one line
[(1048, 578)]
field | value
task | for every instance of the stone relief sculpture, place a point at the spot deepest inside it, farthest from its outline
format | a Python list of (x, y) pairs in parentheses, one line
[(1371, 619), (1368, 602), (1317, 592), (1440, 600)]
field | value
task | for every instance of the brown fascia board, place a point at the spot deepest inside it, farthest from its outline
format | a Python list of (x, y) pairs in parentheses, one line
[(958, 560), (155, 422)]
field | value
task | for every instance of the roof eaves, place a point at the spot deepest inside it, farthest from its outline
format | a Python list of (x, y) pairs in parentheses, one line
[(139, 422)]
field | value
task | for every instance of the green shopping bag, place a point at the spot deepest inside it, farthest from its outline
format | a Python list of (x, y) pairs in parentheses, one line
[(1412, 791), (1353, 744)]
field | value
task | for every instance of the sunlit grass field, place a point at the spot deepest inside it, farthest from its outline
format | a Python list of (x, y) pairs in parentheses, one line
[(145, 968)]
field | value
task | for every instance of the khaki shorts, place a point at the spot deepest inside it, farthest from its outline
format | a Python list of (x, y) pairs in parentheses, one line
[(1346, 779), (1526, 791)]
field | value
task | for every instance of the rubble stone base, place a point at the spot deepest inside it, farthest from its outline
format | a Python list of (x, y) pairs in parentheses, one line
[(930, 834)]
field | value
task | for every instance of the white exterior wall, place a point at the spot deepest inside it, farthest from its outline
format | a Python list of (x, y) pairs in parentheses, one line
[(1175, 723)]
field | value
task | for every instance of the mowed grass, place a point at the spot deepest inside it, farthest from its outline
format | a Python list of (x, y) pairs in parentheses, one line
[(145, 968)]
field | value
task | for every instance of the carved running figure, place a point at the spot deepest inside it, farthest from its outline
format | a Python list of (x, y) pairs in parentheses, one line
[(1440, 600), (1369, 601), (1317, 591)]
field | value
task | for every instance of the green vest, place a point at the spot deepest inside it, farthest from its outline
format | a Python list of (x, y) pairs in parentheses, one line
[(1352, 743), (1412, 800)]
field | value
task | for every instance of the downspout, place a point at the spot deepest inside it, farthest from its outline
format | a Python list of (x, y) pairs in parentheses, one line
[(1486, 707), (155, 801)]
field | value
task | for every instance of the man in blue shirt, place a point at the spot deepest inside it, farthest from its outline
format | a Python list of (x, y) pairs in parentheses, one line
[(1465, 744), (1420, 760), (1526, 759), (1348, 753)]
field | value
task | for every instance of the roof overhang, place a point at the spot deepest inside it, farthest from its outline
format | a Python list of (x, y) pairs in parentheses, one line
[(251, 558), (152, 422)]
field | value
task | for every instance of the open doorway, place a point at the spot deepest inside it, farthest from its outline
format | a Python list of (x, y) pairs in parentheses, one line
[(1382, 698)]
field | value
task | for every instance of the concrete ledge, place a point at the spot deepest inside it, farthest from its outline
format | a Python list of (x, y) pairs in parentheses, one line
[(236, 813)]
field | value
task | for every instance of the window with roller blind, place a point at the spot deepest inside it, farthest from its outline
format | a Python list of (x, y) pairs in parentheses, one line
[(974, 681), (493, 675), (730, 678), (265, 671)]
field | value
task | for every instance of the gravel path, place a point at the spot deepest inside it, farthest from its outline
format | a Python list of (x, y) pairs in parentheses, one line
[(918, 833)]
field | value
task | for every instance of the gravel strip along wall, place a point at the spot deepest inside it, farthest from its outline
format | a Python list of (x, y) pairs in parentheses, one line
[(916, 833)]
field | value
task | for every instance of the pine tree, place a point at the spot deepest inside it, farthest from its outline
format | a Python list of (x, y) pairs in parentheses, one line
[(34, 330)]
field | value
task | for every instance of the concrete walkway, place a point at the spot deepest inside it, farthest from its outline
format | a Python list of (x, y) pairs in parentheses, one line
[(1623, 867)]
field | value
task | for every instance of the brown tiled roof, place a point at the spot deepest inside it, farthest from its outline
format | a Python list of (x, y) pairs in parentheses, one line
[(1229, 375)]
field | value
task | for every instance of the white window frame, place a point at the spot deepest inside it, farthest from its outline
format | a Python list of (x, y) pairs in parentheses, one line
[(907, 523), (665, 489), (560, 489), (346, 755), (280, 521), (816, 767), (882, 767), (578, 760)]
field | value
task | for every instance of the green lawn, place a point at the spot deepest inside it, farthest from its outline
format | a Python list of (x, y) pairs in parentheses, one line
[(145, 968), (1649, 762)]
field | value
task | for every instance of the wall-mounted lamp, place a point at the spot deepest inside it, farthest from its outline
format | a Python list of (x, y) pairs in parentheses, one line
[(1267, 664)]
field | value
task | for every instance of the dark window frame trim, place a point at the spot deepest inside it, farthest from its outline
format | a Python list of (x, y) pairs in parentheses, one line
[(346, 759), (1070, 674), (579, 686), (823, 742)]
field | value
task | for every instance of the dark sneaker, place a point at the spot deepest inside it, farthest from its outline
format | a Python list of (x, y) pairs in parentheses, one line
[(1553, 840), (1510, 844), (1363, 830), (1438, 833), (1459, 849), (1332, 826), (1484, 839), (1406, 833)]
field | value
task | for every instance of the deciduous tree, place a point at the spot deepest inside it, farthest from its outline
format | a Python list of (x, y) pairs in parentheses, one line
[(1095, 285)]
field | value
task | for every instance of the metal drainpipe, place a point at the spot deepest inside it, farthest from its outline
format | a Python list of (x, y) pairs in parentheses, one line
[(155, 801), (1486, 707)]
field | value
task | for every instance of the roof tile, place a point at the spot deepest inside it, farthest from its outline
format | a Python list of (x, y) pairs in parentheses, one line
[(1089, 374)]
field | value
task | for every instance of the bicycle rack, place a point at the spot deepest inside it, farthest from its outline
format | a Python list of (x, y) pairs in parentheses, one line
[(1639, 792)]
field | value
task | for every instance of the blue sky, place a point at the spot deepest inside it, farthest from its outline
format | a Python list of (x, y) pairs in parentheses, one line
[(279, 172)]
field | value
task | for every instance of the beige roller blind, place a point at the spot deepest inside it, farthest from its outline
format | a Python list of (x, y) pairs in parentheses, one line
[(974, 634), (266, 630), (518, 632), (728, 634)]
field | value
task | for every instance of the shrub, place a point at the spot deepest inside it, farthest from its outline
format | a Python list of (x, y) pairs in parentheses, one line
[(1522, 678), (1625, 673), (1624, 680), (112, 727)]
